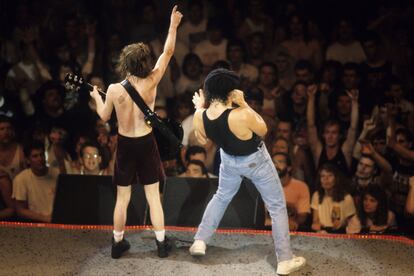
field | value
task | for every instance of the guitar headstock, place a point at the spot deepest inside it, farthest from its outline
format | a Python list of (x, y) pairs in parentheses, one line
[(74, 82)]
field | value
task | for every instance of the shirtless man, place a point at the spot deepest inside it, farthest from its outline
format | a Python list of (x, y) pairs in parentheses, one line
[(12, 159), (137, 153), (239, 133)]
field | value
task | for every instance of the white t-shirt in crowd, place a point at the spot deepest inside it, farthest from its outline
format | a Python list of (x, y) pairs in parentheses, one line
[(188, 32), (38, 191), (346, 53), (210, 53), (249, 72), (346, 209)]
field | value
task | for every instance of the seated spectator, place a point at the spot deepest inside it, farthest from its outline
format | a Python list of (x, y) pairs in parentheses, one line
[(367, 174), (304, 71), (376, 69), (268, 83), (76, 164), (214, 47), (400, 141), (373, 215), (331, 205), (194, 29), (293, 105), (91, 160), (296, 192), (397, 91), (302, 165), (256, 50), (191, 77), (285, 70), (211, 150), (197, 153), (257, 21), (196, 169), (299, 44), (236, 55), (409, 206), (25, 77), (34, 188), (333, 149), (50, 111), (7, 207), (11, 153), (346, 48), (56, 153)]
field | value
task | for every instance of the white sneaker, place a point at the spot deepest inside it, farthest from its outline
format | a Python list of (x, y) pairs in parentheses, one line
[(198, 248), (289, 266)]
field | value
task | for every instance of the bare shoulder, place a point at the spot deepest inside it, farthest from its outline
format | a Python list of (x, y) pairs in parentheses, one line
[(240, 113), (115, 87), (198, 116)]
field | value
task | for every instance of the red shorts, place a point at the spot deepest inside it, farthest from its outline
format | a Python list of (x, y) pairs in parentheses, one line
[(137, 160)]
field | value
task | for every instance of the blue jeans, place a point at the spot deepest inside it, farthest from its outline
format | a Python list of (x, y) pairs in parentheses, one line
[(259, 168)]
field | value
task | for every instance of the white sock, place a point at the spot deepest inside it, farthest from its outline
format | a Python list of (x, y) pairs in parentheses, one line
[(118, 235), (160, 235)]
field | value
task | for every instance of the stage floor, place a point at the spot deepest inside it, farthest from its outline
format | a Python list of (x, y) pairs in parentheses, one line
[(45, 251)]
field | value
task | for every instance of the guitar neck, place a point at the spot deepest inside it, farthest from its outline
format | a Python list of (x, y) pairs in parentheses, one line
[(90, 88)]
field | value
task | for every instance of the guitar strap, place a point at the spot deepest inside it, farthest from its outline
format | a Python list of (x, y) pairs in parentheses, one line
[(136, 97), (151, 117)]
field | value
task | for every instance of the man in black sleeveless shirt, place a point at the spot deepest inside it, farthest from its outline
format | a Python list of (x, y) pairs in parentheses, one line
[(238, 132)]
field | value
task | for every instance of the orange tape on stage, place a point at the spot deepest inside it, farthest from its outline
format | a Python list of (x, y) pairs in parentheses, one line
[(401, 239)]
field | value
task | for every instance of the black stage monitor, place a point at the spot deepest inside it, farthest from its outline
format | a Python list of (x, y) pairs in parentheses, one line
[(90, 200), (185, 200)]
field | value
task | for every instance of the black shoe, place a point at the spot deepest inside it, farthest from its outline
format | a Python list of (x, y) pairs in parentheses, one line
[(118, 248), (163, 247)]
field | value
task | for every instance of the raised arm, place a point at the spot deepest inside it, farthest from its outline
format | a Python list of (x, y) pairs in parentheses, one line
[(198, 100), (169, 47), (314, 142), (368, 126), (382, 163), (349, 143)]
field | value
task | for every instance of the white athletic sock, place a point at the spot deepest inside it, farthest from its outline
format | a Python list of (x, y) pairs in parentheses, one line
[(118, 235), (160, 235)]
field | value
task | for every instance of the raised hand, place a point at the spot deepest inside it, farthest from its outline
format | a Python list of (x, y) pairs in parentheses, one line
[(237, 97), (369, 125), (311, 90), (367, 148), (90, 29), (353, 94), (198, 99), (175, 17)]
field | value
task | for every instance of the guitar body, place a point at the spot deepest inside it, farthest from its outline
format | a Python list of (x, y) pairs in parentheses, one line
[(168, 147)]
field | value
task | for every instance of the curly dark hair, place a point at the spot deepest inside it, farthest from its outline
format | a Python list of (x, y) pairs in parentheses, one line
[(380, 216), (219, 83), (135, 59)]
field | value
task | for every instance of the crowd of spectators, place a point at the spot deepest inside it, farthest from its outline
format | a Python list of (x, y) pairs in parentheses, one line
[(334, 83)]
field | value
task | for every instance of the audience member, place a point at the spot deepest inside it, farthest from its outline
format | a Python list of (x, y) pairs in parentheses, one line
[(373, 214), (34, 188), (331, 205)]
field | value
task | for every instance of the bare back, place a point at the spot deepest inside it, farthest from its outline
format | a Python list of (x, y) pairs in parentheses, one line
[(130, 118)]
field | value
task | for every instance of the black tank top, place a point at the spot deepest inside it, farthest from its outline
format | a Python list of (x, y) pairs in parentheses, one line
[(219, 132), (339, 161)]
